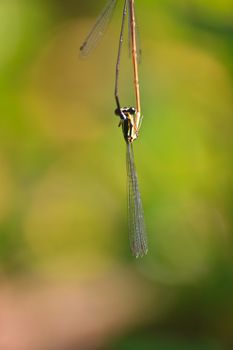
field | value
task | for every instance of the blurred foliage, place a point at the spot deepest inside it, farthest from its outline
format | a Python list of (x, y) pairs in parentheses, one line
[(62, 167), (150, 343)]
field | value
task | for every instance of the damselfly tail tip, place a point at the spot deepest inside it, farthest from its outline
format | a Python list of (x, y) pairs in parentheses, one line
[(82, 53), (140, 252)]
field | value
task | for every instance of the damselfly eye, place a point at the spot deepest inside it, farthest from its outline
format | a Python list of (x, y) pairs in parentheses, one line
[(117, 112), (132, 110), (121, 113)]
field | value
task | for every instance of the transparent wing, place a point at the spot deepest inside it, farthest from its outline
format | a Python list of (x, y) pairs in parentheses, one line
[(138, 39), (137, 232), (98, 29)]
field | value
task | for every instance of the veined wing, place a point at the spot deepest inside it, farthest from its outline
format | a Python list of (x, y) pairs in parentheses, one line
[(137, 232), (98, 29)]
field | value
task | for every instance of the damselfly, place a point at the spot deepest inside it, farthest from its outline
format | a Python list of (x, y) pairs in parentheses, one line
[(137, 232), (130, 117)]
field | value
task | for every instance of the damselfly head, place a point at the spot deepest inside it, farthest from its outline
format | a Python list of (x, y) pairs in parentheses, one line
[(131, 110), (124, 112)]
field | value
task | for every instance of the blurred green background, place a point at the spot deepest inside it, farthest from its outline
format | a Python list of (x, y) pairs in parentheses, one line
[(68, 280)]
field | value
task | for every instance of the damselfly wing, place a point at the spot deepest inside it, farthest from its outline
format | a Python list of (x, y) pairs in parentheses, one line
[(99, 28)]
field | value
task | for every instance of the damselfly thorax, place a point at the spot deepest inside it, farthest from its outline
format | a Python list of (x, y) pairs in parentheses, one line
[(128, 123)]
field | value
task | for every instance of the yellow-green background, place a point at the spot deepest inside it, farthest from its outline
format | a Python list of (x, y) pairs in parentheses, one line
[(63, 178)]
